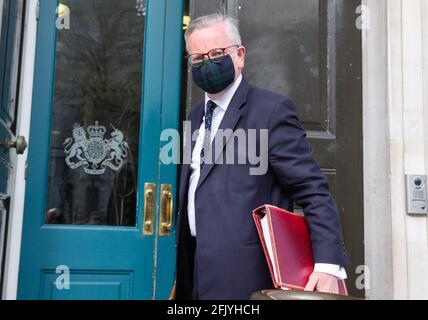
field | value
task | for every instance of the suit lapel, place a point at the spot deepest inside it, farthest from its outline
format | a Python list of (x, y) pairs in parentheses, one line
[(229, 121)]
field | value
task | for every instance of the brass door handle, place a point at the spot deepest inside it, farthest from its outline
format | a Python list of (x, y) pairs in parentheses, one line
[(149, 208), (166, 204), (20, 144)]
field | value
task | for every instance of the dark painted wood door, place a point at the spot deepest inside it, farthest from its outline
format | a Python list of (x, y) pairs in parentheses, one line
[(311, 51)]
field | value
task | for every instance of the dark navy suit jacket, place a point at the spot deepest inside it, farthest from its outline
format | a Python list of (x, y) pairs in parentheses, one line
[(231, 264)]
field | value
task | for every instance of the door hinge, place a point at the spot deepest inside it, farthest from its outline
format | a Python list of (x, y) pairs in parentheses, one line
[(37, 10)]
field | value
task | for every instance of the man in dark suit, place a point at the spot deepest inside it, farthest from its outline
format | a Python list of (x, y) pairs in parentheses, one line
[(219, 254)]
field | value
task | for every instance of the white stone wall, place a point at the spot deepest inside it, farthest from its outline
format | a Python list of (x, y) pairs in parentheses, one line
[(395, 55)]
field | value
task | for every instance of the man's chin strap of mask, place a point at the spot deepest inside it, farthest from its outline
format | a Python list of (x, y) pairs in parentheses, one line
[(214, 77)]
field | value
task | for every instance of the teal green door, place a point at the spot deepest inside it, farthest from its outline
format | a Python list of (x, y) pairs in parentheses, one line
[(99, 204)]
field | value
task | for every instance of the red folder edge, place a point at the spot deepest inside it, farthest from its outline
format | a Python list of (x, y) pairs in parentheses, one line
[(279, 284)]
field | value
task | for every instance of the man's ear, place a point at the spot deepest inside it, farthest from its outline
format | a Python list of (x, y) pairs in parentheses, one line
[(241, 57), (241, 52)]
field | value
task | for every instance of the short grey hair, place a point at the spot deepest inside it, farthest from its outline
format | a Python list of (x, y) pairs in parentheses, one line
[(231, 24)]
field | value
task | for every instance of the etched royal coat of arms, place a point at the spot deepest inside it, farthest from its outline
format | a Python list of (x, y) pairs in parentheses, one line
[(94, 152)]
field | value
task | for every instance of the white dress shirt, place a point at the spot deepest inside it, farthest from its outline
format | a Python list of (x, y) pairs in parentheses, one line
[(222, 104)]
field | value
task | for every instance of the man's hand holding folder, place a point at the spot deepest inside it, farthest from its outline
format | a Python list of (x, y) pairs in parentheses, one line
[(287, 245), (323, 282)]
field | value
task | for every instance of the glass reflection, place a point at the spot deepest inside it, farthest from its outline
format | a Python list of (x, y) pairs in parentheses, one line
[(96, 114)]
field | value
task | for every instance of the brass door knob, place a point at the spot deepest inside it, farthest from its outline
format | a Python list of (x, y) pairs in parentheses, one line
[(20, 144)]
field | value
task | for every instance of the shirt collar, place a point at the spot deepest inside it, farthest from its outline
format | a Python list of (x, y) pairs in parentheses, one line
[(224, 101)]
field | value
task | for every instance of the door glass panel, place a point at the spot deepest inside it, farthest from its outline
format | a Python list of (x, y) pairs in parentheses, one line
[(96, 113)]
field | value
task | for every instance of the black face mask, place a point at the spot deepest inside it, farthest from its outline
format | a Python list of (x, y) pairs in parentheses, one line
[(214, 77)]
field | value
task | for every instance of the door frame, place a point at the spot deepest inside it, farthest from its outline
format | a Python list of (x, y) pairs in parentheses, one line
[(17, 185)]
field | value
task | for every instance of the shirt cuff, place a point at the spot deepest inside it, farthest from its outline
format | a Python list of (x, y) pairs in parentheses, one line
[(333, 269)]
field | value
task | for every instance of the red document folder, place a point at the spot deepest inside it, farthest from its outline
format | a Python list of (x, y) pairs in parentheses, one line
[(286, 242)]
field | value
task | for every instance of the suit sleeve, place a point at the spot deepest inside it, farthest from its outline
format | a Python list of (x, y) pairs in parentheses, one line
[(292, 161)]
